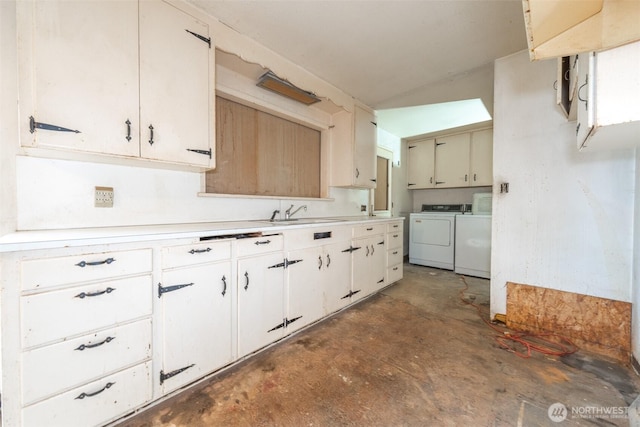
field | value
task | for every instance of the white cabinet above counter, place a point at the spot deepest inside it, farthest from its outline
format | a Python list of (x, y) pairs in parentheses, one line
[(125, 80)]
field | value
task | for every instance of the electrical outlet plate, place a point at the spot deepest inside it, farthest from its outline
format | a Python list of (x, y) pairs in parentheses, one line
[(104, 197)]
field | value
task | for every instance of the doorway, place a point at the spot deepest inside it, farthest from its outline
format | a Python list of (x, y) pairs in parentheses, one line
[(381, 201)]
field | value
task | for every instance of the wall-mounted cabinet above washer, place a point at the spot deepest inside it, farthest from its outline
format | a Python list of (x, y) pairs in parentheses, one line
[(454, 160)]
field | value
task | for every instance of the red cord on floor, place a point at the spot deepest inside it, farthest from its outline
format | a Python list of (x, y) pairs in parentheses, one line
[(545, 343)]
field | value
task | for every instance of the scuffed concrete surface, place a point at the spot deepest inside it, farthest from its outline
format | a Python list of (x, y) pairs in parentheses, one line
[(413, 355)]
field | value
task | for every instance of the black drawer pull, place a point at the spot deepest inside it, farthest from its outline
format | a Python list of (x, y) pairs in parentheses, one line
[(85, 263), (369, 229), (83, 347), (199, 251), (83, 395), (82, 295), (262, 242), (246, 277), (224, 285)]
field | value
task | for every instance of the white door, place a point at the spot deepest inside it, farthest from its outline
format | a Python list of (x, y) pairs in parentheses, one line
[(482, 158), (196, 322), (305, 282), (174, 85), (337, 277), (452, 161), (85, 76), (421, 164), (365, 148), (261, 312)]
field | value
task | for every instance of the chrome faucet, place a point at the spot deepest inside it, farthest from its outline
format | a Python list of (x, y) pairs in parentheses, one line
[(273, 215), (288, 214)]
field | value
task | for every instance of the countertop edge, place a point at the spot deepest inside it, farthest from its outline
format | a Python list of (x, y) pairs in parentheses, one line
[(52, 239)]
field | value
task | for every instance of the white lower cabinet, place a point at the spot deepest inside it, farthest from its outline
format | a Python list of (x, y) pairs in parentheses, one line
[(369, 260), (92, 334), (196, 322), (319, 284), (260, 290), (94, 403)]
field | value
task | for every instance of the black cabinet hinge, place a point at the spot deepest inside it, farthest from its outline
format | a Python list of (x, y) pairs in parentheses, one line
[(207, 40), (285, 322), (351, 249), (350, 294), (164, 290), (286, 263), (205, 152), (33, 125), (168, 375)]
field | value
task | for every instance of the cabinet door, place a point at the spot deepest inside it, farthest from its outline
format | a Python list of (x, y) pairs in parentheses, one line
[(452, 161), (421, 164), (84, 59), (260, 301), (585, 90), (482, 158), (337, 277), (174, 85), (196, 322), (369, 265), (305, 282), (365, 148)]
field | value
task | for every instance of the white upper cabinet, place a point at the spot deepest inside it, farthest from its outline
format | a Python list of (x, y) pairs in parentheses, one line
[(353, 149), (452, 161), (82, 58), (456, 160), (481, 163), (101, 77), (421, 162), (608, 107), (557, 28), (174, 85)]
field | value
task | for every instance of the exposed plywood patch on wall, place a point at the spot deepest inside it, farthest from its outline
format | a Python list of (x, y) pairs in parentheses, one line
[(596, 324)]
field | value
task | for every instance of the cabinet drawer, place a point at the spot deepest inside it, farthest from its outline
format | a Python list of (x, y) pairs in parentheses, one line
[(58, 314), (394, 227), (48, 272), (394, 240), (316, 236), (369, 230), (394, 256), (197, 253), (394, 273), (48, 370), (259, 245), (95, 403)]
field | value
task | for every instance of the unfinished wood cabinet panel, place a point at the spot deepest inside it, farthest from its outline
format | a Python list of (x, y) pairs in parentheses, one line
[(261, 154), (596, 324)]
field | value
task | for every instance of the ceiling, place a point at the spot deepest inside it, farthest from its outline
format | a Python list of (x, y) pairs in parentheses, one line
[(386, 53)]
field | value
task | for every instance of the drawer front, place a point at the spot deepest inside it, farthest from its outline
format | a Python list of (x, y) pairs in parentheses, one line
[(394, 256), (95, 403), (316, 236), (369, 230), (395, 226), (48, 370), (394, 273), (50, 272), (394, 240), (51, 316), (197, 253), (259, 245)]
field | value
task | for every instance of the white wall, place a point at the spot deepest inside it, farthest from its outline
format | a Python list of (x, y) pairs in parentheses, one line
[(567, 221)]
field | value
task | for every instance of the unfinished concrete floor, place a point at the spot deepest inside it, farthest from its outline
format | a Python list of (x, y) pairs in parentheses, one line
[(413, 355)]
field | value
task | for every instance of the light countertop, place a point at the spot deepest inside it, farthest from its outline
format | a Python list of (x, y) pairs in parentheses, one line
[(50, 239)]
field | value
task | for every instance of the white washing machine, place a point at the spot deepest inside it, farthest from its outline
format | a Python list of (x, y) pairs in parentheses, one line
[(473, 245), (432, 235)]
